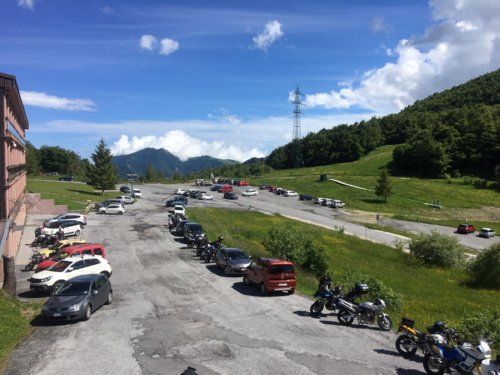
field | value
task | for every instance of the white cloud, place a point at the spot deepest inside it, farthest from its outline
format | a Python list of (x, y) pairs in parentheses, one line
[(464, 43), (30, 4), (148, 42), (107, 10), (378, 25), (222, 114), (41, 99), (271, 33), (168, 46)]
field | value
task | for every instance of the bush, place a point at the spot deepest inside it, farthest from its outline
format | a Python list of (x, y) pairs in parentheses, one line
[(293, 244), (481, 324), (485, 269), (436, 249)]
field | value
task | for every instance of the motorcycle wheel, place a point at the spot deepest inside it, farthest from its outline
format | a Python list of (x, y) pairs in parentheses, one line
[(384, 323), (316, 308), (34, 243), (29, 266), (342, 318), (406, 346), (432, 365), (190, 245)]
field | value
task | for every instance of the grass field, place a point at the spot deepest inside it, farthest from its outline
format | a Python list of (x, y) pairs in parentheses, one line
[(74, 195), (462, 202), (429, 294)]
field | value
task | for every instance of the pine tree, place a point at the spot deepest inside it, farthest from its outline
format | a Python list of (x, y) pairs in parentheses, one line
[(102, 175), (383, 187)]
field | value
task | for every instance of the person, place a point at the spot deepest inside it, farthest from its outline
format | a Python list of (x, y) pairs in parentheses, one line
[(218, 243), (60, 233)]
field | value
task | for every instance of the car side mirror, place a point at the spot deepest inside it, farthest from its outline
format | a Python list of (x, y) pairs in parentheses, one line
[(70, 269)]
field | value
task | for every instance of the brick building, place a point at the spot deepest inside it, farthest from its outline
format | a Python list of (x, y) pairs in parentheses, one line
[(13, 126)]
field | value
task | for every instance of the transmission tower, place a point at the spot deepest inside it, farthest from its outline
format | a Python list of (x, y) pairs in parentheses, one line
[(297, 102)]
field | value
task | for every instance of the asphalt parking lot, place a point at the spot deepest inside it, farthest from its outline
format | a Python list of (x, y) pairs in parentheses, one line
[(171, 311)]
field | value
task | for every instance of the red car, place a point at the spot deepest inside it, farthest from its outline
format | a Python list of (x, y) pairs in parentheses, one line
[(226, 189), (271, 275), (71, 251), (243, 183), (466, 228)]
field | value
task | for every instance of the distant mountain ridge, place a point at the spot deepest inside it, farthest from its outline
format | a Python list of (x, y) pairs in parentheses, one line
[(165, 162)]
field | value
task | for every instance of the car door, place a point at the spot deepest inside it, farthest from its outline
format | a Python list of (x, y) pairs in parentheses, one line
[(252, 272), (100, 287), (221, 257), (78, 268)]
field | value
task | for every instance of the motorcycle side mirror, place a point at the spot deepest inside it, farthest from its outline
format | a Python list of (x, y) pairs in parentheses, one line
[(95, 292)]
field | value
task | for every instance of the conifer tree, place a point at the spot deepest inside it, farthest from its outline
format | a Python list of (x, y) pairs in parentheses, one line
[(383, 187), (102, 175)]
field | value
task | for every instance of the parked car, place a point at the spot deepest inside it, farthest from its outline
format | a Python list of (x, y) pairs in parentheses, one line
[(179, 228), (107, 202), (179, 191), (66, 178), (232, 260), (71, 251), (137, 193), (290, 193), (194, 194), (231, 196), (113, 208), (335, 203), (486, 233), (205, 196), (179, 209), (176, 201), (125, 189), (58, 246), (319, 200), (70, 228), (250, 192), (242, 183), (226, 189), (271, 275), (65, 217), (78, 297), (305, 197), (466, 228), (193, 232), (215, 188), (126, 199), (54, 276)]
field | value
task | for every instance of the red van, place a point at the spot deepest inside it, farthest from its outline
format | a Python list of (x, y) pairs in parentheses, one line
[(71, 251), (271, 275)]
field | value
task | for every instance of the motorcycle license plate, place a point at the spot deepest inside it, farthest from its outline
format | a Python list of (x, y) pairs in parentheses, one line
[(56, 314), (282, 284)]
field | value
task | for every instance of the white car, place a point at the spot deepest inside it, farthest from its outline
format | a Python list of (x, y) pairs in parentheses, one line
[(337, 204), (126, 199), (65, 217), (250, 192), (290, 193), (136, 193), (205, 196), (57, 274), (69, 227), (113, 208), (319, 200), (180, 191), (178, 209)]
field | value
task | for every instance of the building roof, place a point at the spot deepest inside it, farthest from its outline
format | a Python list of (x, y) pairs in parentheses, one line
[(9, 83)]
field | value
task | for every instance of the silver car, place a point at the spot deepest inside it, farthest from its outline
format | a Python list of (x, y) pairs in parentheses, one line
[(232, 260), (486, 233)]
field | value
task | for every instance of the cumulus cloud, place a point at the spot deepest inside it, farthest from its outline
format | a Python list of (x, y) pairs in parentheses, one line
[(148, 42), (41, 99), (168, 46), (272, 32), (183, 146), (222, 114), (464, 43), (30, 4)]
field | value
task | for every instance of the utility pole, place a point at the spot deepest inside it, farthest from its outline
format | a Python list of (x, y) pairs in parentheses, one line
[(297, 113)]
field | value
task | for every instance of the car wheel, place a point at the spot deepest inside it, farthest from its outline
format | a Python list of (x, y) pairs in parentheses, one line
[(77, 233), (245, 280), (110, 298), (105, 273), (57, 285), (120, 213), (263, 289), (291, 291), (87, 312), (227, 271)]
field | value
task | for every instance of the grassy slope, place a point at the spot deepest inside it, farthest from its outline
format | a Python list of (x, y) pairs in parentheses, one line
[(16, 317), (409, 194), (429, 294)]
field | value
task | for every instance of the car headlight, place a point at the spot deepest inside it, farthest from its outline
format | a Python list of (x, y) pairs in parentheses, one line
[(74, 307), (46, 279)]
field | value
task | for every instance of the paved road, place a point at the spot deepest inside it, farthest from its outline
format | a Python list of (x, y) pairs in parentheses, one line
[(171, 311)]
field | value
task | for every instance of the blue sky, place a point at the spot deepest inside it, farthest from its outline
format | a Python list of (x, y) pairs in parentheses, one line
[(214, 78)]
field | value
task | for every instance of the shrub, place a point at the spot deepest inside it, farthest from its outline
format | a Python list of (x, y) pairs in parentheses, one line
[(436, 249), (485, 269), (481, 324), (289, 243)]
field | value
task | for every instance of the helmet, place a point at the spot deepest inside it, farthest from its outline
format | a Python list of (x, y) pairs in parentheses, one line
[(221, 238)]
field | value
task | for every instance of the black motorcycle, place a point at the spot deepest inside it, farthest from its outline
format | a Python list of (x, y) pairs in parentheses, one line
[(44, 241), (34, 260), (200, 247), (209, 253), (329, 298)]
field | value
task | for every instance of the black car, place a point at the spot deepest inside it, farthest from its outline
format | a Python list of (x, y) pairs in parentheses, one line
[(125, 189), (179, 227), (78, 298), (66, 178), (232, 196), (175, 201), (305, 197), (193, 233)]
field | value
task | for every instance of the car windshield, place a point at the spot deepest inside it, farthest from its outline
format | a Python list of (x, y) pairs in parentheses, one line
[(237, 255), (59, 266), (53, 224), (72, 289), (282, 268)]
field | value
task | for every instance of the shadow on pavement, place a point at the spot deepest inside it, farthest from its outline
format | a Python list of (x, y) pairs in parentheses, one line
[(253, 291), (407, 371), (395, 353)]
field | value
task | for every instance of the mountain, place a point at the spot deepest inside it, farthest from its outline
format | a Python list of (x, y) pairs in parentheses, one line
[(163, 161)]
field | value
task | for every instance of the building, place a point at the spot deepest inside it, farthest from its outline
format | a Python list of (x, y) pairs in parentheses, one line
[(13, 126)]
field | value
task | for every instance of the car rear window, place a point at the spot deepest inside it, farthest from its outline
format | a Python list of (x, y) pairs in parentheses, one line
[(282, 268)]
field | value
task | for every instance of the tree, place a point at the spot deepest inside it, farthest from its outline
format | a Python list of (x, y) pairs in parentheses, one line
[(383, 187), (485, 269), (102, 174), (32, 159), (438, 250)]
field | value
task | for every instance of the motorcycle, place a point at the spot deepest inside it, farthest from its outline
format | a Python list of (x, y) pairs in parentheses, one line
[(365, 312), (191, 243), (44, 241), (329, 298), (201, 246), (34, 260), (209, 254), (411, 339), (461, 359)]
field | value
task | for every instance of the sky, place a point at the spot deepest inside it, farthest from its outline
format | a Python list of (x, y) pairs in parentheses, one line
[(215, 77)]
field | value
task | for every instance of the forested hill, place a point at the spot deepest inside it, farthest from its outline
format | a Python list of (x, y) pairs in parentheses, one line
[(456, 131)]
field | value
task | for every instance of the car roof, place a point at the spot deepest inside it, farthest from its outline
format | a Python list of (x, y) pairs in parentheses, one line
[(233, 249), (275, 261), (487, 229)]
